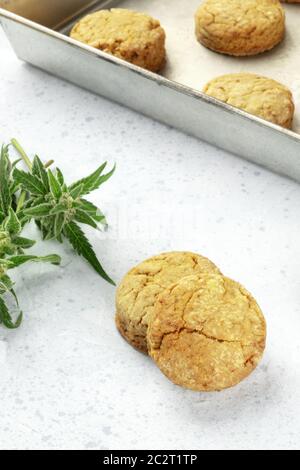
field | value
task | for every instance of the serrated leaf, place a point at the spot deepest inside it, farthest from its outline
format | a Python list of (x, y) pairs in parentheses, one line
[(6, 318), (93, 181), (29, 182), (84, 218), (5, 196), (34, 201), (18, 260), (60, 177), (102, 179), (39, 170), (12, 223), (14, 187), (24, 243), (83, 247), (38, 212), (6, 284), (55, 187), (92, 210), (58, 224), (77, 191)]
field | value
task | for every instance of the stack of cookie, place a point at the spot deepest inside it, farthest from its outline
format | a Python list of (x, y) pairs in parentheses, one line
[(204, 331)]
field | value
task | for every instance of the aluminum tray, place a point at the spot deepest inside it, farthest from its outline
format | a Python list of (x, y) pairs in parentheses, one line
[(38, 29)]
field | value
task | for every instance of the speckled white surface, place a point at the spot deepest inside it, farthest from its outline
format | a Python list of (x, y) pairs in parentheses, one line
[(67, 380)]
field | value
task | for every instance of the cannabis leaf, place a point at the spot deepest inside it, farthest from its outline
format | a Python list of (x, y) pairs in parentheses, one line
[(58, 208), (41, 194), (5, 170), (12, 245)]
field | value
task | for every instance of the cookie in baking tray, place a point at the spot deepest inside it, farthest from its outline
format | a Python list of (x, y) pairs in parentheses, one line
[(255, 94), (135, 37), (240, 27)]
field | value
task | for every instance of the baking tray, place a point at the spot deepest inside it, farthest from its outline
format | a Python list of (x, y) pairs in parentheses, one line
[(38, 31)]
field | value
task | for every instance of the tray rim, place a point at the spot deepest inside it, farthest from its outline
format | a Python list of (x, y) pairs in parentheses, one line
[(160, 79)]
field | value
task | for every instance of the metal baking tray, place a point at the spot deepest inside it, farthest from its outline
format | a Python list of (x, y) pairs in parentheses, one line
[(38, 31)]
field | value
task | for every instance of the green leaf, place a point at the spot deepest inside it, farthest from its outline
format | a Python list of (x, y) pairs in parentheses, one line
[(39, 170), (14, 187), (76, 192), (22, 259), (5, 196), (60, 177), (102, 179), (58, 209), (12, 223), (22, 242), (58, 224), (54, 185), (83, 247), (37, 212), (6, 284), (6, 318), (29, 182), (84, 218), (92, 210), (92, 182), (2, 216)]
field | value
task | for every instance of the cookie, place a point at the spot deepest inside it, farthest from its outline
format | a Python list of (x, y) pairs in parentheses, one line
[(129, 35), (255, 94), (207, 333), (240, 27), (141, 286)]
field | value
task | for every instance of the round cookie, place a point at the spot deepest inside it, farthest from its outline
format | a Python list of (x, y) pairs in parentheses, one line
[(240, 27), (255, 94), (141, 286), (129, 35), (207, 333)]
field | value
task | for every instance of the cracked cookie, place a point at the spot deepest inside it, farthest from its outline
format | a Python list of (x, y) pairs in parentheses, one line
[(207, 333), (240, 27), (129, 35), (141, 286), (255, 94)]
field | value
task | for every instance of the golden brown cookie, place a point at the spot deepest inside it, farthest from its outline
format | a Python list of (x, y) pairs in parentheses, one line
[(255, 94), (240, 27), (132, 36), (141, 286), (207, 333)]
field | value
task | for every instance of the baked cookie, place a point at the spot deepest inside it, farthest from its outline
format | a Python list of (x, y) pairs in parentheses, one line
[(207, 333), (255, 94), (240, 27), (141, 286), (132, 36)]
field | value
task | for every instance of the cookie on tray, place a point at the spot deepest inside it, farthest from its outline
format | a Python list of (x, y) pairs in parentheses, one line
[(141, 286), (207, 333), (255, 94), (135, 37), (240, 27)]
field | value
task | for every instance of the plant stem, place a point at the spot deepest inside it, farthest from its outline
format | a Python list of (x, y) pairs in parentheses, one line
[(22, 152)]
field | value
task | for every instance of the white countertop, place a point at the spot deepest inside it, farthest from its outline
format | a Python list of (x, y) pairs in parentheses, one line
[(67, 380)]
